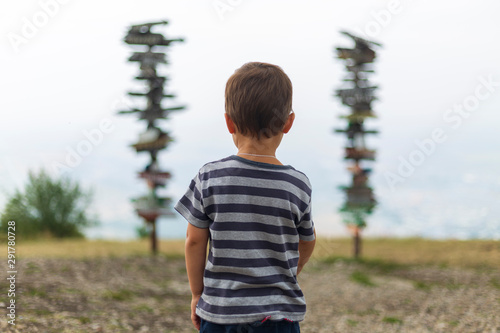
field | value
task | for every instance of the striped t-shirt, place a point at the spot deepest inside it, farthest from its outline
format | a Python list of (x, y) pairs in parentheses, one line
[(256, 213)]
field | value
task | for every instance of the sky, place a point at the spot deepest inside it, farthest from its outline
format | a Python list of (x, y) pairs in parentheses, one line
[(65, 75)]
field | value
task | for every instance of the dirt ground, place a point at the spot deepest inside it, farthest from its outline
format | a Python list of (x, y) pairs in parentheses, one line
[(146, 294)]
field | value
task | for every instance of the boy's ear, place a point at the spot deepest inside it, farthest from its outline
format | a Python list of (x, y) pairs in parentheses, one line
[(289, 122), (229, 123)]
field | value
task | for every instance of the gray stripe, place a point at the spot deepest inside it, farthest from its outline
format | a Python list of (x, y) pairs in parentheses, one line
[(307, 238), (254, 254), (268, 300), (242, 319), (262, 183), (250, 199), (257, 253), (189, 216), (229, 284), (252, 271), (254, 235), (238, 217), (233, 217)]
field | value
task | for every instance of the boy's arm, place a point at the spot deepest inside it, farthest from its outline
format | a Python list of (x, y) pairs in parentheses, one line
[(196, 254), (305, 251)]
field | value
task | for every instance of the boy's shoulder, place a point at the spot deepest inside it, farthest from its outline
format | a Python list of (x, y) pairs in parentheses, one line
[(217, 163), (237, 162)]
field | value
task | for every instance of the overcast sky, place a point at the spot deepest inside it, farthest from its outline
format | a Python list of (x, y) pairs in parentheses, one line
[(65, 73)]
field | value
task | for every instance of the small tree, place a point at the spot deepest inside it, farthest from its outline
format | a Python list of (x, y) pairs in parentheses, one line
[(142, 232), (50, 207)]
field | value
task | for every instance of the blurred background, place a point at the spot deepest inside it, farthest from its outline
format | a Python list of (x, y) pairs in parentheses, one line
[(438, 69)]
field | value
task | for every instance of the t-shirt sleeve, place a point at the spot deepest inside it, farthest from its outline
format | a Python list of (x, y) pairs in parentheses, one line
[(305, 228), (190, 206)]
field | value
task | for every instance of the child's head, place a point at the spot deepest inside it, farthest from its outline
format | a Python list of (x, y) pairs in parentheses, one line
[(259, 99)]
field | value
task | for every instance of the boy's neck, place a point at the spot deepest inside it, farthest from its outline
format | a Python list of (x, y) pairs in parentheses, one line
[(263, 150)]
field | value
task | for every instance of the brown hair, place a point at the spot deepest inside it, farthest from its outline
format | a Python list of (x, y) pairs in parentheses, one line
[(259, 99)]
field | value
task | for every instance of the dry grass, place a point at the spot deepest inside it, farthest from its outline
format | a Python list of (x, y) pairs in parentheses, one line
[(453, 253), (81, 248)]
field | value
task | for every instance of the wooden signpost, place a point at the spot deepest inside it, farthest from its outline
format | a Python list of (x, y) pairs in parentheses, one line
[(150, 207), (358, 96)]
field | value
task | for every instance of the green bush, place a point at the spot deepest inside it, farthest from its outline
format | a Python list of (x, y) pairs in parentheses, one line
[(48, 207)]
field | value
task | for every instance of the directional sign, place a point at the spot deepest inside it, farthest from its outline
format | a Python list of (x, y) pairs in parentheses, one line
[(356, 91), (360, 57), (145, 27), (150, 39), (148, 57), (161, 143), (357, 153)]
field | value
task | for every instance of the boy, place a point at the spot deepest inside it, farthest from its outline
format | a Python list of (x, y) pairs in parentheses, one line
[(256, 213)]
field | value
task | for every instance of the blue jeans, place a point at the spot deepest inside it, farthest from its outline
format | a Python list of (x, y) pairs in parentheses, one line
[(268, 326)]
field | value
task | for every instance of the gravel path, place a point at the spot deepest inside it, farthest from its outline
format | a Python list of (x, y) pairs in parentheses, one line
[(354, 298), (143, 294)]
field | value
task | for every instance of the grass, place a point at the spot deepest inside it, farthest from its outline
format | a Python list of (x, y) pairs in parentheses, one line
[(453, 286), (362, 278), (352, 323), (119, 295), (383, 254), (70, 290), (392, 320), (42, 312), (422, 285), (31, 268), (381, 266), (368, 312), (495, 283), (84, 320), (143, 308), (37, 292)]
